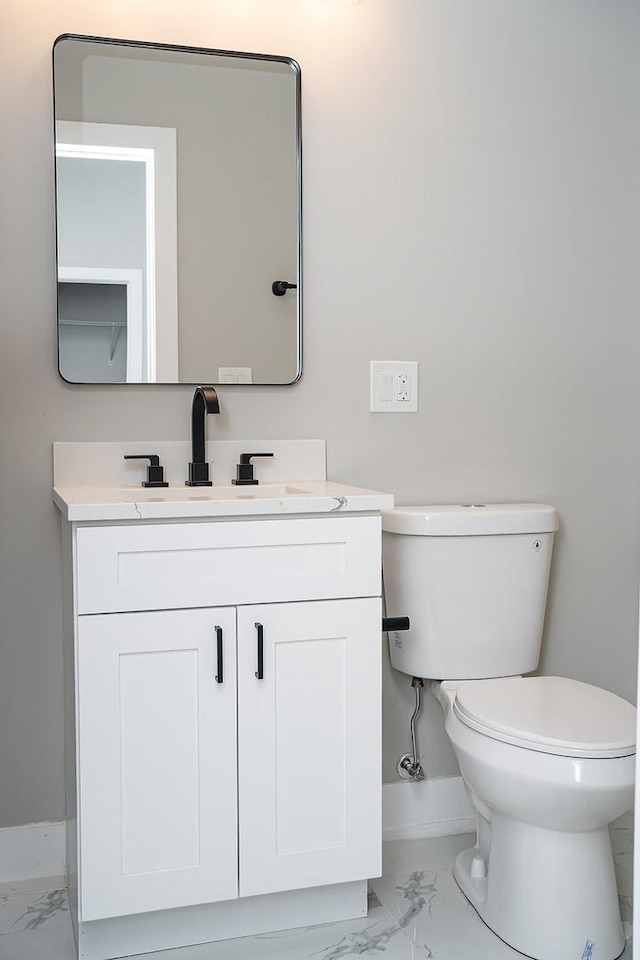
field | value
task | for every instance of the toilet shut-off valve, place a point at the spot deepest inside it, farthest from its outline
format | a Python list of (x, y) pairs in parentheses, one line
[(409, 768)]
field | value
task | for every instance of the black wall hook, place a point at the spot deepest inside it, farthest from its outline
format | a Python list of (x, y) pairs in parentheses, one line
[(280, 287)]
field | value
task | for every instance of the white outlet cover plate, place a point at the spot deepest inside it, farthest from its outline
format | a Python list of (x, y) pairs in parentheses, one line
[(394, 386), (235, 375)]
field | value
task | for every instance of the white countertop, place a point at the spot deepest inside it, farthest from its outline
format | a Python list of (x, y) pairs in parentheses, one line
[(88, 502), (110, 487)]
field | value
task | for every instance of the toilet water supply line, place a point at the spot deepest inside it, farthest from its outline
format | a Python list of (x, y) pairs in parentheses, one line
[(409, 766)]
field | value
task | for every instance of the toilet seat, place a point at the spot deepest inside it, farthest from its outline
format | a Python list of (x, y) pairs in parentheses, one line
[(549, 714)]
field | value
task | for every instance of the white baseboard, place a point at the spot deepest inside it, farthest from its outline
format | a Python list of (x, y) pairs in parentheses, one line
[(31, 852), (432, 808)]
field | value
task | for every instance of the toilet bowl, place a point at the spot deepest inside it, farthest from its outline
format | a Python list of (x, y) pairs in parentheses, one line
[(548, 762), (541, 874)]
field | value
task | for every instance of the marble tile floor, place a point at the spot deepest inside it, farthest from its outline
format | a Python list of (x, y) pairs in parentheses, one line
[(416, 913)]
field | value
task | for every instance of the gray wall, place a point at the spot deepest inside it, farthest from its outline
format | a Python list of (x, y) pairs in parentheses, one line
[(471, 202)]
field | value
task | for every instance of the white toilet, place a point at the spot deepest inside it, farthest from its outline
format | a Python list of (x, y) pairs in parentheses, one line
[(548, 762)]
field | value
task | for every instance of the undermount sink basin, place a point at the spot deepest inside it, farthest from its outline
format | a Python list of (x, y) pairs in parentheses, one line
[(262, 491)]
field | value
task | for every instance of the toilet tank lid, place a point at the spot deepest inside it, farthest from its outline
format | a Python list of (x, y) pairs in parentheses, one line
[(470, 520)]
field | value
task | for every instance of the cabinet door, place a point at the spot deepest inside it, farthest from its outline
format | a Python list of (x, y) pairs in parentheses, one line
[(157, 760), (309, 744)]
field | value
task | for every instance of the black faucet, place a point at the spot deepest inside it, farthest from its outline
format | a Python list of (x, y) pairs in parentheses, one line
[(205, 400)]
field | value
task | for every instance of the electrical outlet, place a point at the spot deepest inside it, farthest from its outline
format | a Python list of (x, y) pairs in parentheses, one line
[(394, 386)]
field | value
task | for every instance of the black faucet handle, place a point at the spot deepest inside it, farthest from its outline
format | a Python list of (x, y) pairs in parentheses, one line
[(244, 469), (245, 458), (155, 472)]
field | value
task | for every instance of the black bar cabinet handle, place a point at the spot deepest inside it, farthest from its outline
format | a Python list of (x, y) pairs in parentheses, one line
[(220, 673), (260, 670)]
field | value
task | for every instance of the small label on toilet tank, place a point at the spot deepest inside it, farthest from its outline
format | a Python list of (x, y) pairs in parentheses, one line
[(397, 639), (589, 947)]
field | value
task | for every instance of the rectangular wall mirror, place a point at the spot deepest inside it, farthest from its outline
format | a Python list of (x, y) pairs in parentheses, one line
[(178, 206)]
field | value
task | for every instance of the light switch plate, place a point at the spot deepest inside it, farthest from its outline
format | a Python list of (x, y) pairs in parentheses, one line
[(394, 386), (235, 375)]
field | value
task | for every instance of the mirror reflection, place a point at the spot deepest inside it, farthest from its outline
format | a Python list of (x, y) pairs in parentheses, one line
[(178, 214)]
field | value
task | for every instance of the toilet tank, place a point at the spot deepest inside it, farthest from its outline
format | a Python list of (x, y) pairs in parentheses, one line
[(473, 581)]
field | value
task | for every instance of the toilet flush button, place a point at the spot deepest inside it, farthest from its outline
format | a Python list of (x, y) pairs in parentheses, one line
[(478, 867)]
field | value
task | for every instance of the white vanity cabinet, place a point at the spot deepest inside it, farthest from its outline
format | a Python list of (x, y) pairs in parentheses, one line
[(225, 725)]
